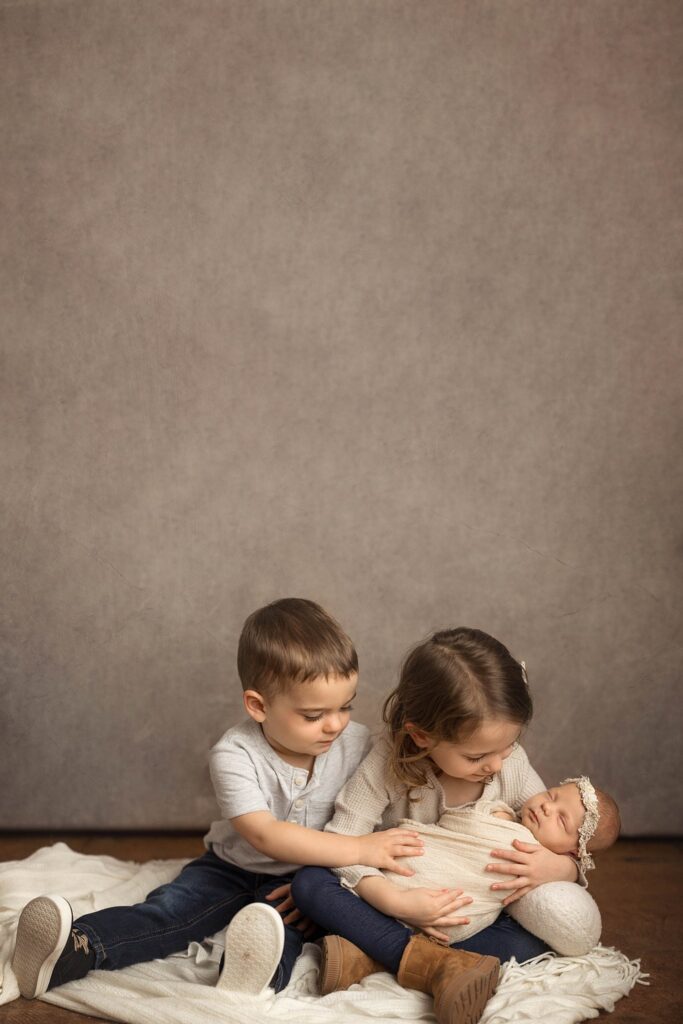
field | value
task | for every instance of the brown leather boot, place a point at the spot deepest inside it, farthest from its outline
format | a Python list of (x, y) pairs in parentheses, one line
[(461, 983), (343, 964)]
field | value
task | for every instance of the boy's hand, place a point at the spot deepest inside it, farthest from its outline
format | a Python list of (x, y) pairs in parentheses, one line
[(380, 849), (284, 892), (430, 909), (530, 865)]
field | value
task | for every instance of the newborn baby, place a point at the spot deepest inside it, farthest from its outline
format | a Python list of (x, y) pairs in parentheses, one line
[(572, 818)]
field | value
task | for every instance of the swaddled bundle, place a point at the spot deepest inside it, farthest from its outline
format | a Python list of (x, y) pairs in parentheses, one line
[(456, 852)]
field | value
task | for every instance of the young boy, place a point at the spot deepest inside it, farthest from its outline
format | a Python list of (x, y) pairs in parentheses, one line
[(275, 776)]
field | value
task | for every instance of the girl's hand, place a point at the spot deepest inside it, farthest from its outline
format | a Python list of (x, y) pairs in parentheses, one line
[(284, 892), (530, 865), (380, 849), (431, 909)]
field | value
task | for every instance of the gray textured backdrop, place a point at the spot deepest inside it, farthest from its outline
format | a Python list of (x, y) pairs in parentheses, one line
[(371, 302)]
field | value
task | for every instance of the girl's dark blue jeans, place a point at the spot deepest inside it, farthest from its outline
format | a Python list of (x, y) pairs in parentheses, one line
[(319, 895), (202, 900)]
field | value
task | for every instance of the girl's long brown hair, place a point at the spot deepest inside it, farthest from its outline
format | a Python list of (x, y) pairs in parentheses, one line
[(448, 685)]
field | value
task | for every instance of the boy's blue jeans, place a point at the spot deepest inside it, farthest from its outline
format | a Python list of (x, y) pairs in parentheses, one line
[(202, 900), (318, 894)]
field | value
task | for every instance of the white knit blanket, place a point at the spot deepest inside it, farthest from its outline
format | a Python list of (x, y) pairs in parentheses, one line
[(179, 990)]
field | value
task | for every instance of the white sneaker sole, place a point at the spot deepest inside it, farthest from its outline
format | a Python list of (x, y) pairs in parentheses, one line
[(254, 941), (42, 932)]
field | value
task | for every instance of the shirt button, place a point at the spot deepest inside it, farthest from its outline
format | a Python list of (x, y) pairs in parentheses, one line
[(293, 821), (299, 780), (299, 804)]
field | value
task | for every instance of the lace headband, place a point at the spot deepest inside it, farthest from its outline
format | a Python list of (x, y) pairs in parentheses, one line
[(589, 824)]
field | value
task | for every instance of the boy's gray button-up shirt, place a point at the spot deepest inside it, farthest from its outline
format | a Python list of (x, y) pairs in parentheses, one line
[(249, 776)]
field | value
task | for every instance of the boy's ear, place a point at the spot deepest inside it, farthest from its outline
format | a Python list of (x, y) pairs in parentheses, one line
[(254, 705), (419, 737)]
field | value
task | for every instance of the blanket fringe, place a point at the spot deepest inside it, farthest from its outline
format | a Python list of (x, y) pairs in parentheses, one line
[(563, 989), (600, 959)]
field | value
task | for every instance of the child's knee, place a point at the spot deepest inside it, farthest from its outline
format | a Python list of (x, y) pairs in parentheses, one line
[(307, 885)]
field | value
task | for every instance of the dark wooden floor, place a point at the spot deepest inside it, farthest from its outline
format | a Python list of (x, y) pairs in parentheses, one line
[(638, 885)]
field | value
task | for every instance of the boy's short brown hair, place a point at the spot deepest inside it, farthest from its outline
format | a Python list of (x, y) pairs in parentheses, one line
[(292, 641)]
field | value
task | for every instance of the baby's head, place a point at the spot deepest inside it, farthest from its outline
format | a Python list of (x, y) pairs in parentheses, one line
[(573, 817)]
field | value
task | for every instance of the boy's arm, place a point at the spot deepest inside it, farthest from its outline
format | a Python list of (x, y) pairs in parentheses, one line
[(291, 843)]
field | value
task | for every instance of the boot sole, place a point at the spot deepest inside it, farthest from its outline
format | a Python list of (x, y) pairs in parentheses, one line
[(330, 964), (254, 941), (470, 1002), (42, 932)]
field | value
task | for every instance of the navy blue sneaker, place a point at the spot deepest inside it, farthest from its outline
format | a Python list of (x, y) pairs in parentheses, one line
[(49, 950), (254, 941)]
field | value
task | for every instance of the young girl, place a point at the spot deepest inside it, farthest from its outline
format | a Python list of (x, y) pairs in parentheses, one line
[(454, 723)]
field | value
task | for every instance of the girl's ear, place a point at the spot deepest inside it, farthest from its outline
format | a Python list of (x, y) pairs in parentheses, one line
[(419, 737), (254, 705)]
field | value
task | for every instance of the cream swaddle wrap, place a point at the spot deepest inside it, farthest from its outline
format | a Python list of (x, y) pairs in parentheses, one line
[(456, 852)]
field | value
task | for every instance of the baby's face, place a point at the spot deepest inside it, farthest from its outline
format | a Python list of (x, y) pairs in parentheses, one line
[(555, 817)]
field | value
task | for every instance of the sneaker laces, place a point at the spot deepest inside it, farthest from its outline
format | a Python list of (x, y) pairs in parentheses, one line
[(80, 941)]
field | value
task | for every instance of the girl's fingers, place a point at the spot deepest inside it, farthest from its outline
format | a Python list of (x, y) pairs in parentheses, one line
[(451, 899), (293, 916), (285, 905), (514, 883), (516, 895), (453, 894), (450, 922), (439, 936), (517, 857), (462, 901), (449, 910), (454, 904), (506, 869)]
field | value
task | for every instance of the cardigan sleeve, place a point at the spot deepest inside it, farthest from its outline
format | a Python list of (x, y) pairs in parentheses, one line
[(359, 808)]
